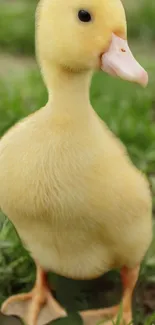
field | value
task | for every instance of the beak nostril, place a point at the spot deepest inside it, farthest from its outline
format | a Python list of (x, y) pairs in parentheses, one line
[(119, 61)]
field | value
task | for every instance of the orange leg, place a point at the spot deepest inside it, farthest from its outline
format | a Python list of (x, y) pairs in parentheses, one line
[(36, 307), (129, 278)]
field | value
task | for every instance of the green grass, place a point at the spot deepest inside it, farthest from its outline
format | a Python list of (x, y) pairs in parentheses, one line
[(17, 26), (141, 21)]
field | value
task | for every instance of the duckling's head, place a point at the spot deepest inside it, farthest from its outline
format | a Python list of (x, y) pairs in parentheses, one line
[(81, 35)]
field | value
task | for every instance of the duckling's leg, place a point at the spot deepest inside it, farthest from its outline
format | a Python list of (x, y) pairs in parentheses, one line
[(37, 307), (129, 278)]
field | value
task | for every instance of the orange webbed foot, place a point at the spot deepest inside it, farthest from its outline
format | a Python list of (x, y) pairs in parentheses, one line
[(37, 307), (123, 312)]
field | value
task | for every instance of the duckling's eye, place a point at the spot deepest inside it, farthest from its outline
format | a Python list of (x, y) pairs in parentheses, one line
[(84, 16)]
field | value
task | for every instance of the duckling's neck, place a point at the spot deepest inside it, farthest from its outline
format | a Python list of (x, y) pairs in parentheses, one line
[(68, 92)]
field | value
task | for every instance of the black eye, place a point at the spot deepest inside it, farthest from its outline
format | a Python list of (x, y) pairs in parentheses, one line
[(84, 16)]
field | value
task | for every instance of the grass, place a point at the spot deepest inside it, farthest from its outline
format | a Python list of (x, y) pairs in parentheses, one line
[(142, 26), (127, 109), (17, 26)]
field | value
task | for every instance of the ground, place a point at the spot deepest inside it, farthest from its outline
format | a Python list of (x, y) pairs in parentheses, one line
[(127, 109)]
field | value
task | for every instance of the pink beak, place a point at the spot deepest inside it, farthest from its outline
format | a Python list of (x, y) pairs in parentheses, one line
[(119, 61)]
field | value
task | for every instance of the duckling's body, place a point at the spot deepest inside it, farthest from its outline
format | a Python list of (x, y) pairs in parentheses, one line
[(77, 191), (66, 182)]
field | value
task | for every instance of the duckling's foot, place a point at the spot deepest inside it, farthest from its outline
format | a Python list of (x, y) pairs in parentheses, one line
[(122, 312), (37, 307), (107, 316)]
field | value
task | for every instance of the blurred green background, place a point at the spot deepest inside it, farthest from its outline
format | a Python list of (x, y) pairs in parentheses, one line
[(128, 110)]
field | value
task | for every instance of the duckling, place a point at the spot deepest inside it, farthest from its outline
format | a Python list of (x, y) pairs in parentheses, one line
[(66, 182)]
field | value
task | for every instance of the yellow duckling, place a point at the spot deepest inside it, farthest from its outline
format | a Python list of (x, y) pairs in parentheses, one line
[(66, 182)]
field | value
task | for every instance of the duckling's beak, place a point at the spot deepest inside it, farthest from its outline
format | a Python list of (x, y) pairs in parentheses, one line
[(119, 61)]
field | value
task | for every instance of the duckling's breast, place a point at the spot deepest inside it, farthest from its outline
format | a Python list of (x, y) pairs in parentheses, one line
[(77, 202)]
